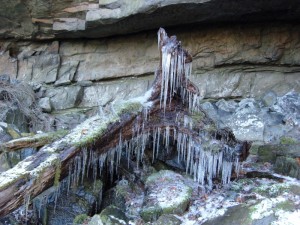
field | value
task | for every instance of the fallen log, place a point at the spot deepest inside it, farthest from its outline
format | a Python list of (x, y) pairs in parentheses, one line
[(38, 172), (33, 141), (168, 114)]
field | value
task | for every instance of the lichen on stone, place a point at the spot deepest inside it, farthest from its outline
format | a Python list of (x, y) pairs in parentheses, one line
[(167, 194)]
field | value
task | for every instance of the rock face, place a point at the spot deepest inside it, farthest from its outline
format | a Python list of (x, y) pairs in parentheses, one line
[(44, 19), (259, 60)]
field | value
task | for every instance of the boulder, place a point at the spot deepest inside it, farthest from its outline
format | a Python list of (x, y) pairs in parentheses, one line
[(166, 193), (247, 127), (112, 215), (95, 220)]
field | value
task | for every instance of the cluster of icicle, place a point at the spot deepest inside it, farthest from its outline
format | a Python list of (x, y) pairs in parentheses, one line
[(203, 163), (175, 73)]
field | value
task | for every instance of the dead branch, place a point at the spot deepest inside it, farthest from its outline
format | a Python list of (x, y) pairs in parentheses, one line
[(33, 141)]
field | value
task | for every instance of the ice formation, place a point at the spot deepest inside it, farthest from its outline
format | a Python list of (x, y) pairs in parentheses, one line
[(175, 72), (206, 153)]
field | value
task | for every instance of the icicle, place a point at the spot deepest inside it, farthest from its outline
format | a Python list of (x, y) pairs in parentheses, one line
[(101, 161), (167, 137), (154, 144), (56, 197), (183, 146), (189, 155), (129, 152), (220, 160), (91, 158), (237, 166), (158, 139), (188, 70), (119, 150), (185, 121), (95, 169), (166, 72), (138, 153), (69, 179), (174, 135), (111, 162), (84, 159), (171, 78), (26, 204), (145, 113), (179, 137), (77, 170), (226, 172)]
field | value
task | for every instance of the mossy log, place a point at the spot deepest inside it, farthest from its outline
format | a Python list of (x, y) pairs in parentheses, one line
[(170, 110), (33, 141), (38, 172)]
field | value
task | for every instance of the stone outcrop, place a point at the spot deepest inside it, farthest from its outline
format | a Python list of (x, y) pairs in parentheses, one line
[(44, 19), (258, 61)]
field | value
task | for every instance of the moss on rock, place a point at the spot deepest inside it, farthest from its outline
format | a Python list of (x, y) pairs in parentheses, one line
[(166, 194), (112, 215), (287, 141), (80, 219)]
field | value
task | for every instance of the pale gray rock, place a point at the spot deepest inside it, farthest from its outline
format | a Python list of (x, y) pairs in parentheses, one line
[(45, 68), (69, 119), (247, 127), (269, 98), (96, 220), (69, 24), (65, 97), (237, 71), (45, 104), (9, 65), (85, 83), (43, 19), (66, 73), (104, 93), (289, 106), (227, 106), (248, 106)]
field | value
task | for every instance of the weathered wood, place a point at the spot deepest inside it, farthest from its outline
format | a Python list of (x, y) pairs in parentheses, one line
[(36, 173), (34, 141)]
